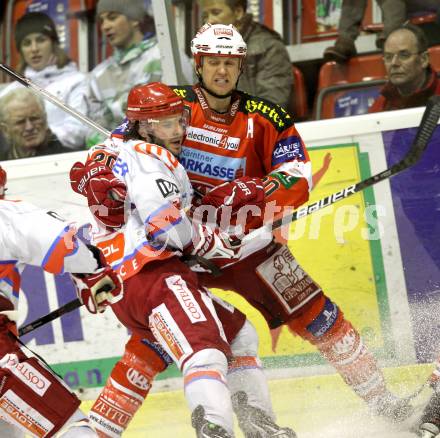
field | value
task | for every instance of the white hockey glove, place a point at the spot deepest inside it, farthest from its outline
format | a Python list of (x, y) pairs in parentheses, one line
[(214, 245)]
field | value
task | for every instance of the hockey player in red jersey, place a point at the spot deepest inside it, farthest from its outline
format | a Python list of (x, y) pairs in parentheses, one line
[(32, 398), (146, 242), (231, 134)]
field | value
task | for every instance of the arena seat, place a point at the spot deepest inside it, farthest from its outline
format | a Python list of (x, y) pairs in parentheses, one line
[(349, 89), (418, 19), (299, 105), (358, 69), (434, 58), (348, 100)]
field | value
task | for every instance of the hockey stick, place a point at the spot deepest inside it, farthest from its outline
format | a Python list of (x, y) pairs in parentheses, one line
[(424, 133), (433, 377), (51, 98), (413, 395), (68, 307)]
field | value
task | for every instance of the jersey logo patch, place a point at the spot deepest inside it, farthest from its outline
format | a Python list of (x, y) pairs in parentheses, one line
[(212, 165), (167, 188), (288, 149), (122, 129), (28, 374), (211, 138), (186, 298), (325, 320)]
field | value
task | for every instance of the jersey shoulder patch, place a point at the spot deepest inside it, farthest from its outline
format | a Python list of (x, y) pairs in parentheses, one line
[(157, 152), (276, 115), (186, 92)]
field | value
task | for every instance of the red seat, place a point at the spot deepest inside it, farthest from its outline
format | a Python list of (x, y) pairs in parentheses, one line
[(434, 58), (299, 105), (348, 100), (342, 84), (358, 69), (423, 18)]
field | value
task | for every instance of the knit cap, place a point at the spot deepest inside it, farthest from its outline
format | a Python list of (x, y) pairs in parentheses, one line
[(132, 9), (34, 22)]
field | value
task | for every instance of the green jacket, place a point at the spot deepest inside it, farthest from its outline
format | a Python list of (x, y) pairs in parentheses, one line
[(111, 80)]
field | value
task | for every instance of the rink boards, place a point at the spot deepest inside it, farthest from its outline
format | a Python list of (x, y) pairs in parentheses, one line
[(367, 252)]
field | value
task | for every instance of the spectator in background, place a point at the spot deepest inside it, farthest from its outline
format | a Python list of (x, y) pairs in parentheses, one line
[(268, 70), (44, 62), (411, 81), (23, 121), (136, 59), (394, 14)]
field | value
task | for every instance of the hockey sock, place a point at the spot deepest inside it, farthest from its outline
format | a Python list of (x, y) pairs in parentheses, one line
[(77, 426), (205, 385), (126, 389), (245, 371), (323, 324)]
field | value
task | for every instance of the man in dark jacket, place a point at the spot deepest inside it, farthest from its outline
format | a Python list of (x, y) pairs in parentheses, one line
[(268, 70), (411, 81), (23, 122)]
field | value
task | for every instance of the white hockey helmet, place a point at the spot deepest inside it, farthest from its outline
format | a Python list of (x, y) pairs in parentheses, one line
[(217, 40)]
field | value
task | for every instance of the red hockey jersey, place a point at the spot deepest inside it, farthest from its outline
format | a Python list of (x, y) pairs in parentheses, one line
[(255, 138)]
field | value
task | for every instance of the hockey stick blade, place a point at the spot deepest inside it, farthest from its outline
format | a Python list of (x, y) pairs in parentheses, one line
[(424, 133), (68, 307), (51, 98)]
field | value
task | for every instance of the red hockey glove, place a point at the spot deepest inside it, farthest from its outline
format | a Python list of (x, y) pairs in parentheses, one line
[(105, 193), (8, 328), (8, 337), (242, 200), (98, 290), (215, 246)]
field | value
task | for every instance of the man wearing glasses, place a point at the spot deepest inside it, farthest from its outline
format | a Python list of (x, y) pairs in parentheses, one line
[(411, 81)]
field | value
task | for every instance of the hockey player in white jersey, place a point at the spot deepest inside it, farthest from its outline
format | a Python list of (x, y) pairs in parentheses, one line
[(32, 398), (143, 247), (161, 292)]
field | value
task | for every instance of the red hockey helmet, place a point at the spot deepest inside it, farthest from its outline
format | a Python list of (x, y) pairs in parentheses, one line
[(3, 178), (150, 101)]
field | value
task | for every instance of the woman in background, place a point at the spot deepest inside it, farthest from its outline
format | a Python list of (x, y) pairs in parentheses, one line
[(44, 62)]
